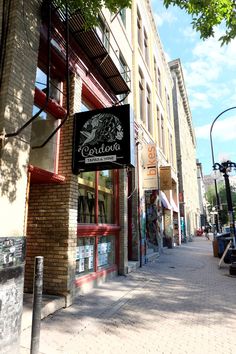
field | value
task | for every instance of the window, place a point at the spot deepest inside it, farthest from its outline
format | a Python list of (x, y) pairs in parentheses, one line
[(55, 85), (171, 149), (159, 83), (103, 33), (123, 68), (46, 157), (141, 97), (162, 134), (168, 105), (149, 110), (106, 251), (146, 49), (122, 14), (93, 207), (158, 127), (139, 28), (85, 255), (155, 73), (86, 198), (105, 197)]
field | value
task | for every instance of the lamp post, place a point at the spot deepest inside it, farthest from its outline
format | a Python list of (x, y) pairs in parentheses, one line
[(213, 163), (225, 167)]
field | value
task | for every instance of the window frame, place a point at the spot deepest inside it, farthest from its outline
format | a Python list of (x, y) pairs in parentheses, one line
[(140, 30), (142, 103), (122, 14), (55, 109), (149, 109), (103, 33), (146, 46)]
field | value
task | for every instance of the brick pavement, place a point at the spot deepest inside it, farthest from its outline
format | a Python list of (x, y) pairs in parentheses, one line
[(181, 303)]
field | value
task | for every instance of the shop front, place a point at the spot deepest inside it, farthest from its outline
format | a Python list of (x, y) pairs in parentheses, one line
[(97, 250), (101, 146)]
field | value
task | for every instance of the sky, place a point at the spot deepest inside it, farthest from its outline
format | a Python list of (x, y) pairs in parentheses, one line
[(210, 80)]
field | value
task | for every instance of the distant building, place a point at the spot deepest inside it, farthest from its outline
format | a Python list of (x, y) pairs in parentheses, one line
[(186, 154), (202, 195)]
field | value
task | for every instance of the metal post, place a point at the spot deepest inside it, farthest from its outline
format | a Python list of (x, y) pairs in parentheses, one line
[(230, 206), (37, 305), (213, 163), (217, 221)]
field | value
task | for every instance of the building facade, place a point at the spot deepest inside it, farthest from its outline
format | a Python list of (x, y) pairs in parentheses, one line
[(77, 222), (60, 86), (202, 195), (155, 138), (186, 155)]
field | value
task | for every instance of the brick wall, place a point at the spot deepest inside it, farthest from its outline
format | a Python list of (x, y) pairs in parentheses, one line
[(52, 218)]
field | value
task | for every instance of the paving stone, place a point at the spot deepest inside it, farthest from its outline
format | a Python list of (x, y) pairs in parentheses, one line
[(180, 303)]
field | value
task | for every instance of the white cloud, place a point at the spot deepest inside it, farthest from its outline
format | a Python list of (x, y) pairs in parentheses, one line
[(199, 99), (223, 130), (164, 17), (200, 72), (189, 33), (207, 71)]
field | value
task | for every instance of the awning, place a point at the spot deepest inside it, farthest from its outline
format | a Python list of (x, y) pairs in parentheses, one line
[(164, 201), (174, 206)]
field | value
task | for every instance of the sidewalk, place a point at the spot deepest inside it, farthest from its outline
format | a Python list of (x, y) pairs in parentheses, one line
[(180, 303)]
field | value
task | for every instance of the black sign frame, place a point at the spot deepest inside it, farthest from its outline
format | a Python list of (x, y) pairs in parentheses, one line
[(102, 139)]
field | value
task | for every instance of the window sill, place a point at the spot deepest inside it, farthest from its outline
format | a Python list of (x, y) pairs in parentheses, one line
[(40, 176)]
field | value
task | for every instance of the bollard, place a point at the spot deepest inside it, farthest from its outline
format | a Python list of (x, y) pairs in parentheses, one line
[(37, 305)]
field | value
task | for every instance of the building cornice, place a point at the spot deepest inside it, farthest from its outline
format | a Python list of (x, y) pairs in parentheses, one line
[(175, 66)]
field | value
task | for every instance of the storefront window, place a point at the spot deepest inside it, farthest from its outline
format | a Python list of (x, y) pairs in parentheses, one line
[(42, 127), (85, 255), (105, 198), (106, 251), (86, 199)]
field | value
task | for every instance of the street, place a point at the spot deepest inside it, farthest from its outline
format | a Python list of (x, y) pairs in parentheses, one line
[(180, 303)]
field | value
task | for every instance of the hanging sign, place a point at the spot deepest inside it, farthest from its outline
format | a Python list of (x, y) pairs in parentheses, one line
[(102, 139), (165, 178), (150, 173)]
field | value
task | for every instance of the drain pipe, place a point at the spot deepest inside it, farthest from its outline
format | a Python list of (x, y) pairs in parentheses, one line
[(139, 214)]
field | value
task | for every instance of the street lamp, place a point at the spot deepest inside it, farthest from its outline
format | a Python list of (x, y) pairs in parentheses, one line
[(225, 167), (213, 163)]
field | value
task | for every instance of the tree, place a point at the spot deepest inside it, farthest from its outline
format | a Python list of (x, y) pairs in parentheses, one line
[(91, 8), (211, 198), (207, 14)]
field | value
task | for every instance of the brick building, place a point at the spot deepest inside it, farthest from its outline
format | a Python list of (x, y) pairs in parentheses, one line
[(78, 223)]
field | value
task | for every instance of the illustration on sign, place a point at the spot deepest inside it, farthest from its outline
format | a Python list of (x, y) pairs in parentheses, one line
[(101, 129), (102, 139)]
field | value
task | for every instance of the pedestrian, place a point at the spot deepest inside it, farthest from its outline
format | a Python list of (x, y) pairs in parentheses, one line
[(206, 230)]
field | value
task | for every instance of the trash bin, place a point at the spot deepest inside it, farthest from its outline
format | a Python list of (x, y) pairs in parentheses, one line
[(223, 240)]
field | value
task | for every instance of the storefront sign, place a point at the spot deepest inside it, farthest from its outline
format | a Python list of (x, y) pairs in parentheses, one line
[(102, 139), (150, 175), (165, 178)]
